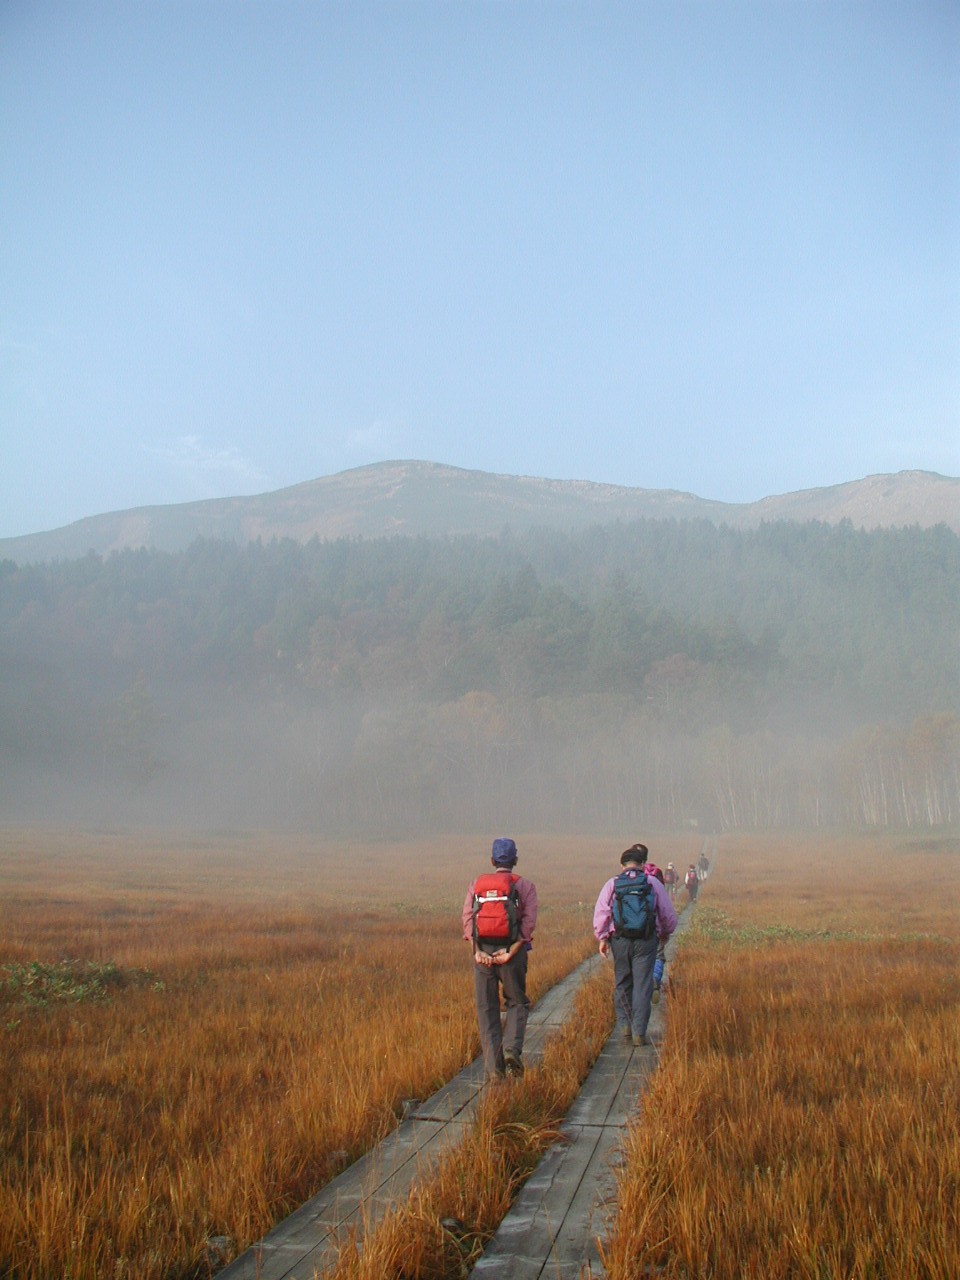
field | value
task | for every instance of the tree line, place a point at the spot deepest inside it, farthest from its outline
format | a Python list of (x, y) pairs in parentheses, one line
[(657, 672)]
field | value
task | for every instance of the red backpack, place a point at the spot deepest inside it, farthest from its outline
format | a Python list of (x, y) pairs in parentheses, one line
[(496, 908)]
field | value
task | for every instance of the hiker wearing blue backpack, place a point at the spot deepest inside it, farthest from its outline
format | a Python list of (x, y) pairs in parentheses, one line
[(499, 916), (633, 918)]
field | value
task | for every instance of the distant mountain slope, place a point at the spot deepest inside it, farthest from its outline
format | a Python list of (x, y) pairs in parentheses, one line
[(428, 498)]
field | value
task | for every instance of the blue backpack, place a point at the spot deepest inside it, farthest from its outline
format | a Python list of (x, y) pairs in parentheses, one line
[(634, 906)]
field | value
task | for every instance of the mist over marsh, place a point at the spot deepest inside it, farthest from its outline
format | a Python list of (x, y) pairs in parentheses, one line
[(659, 673)]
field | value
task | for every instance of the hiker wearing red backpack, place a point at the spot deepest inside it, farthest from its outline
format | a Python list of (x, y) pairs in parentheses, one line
[(632, 919), (499, 916)]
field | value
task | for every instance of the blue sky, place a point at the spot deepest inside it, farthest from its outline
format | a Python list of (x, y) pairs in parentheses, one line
[(712, 246)]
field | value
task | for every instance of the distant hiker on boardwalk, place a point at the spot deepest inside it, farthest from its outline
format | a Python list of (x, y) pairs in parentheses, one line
[(703, 864), (632, 918), (691, 882), (499, 916), (671, 878)]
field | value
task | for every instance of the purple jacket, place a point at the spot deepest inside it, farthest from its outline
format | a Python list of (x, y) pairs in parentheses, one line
[(603, 911), (526, 891)]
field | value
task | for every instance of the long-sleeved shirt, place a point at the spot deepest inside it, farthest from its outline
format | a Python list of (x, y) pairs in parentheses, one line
[(527, 893), (603, 911)]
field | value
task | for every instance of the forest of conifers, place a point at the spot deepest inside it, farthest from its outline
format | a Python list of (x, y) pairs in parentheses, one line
[(629, 677)]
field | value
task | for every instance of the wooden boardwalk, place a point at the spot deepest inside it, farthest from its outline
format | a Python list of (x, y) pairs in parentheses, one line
[(309, 1239), (552, 1228), (568, 1202)]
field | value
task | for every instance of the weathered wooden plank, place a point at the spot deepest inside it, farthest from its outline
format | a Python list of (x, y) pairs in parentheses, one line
[(575, 1245), (601, 1087), (262, 1262), (625, 1103), (554, 1005), (525, 1238), (410, 1141), (455, 1095)]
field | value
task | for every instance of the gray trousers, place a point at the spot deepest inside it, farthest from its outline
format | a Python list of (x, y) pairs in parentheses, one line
[(633, 961), (512, 976)]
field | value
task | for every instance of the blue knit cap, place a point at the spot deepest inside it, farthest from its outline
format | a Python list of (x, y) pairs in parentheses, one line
[(504, 852)]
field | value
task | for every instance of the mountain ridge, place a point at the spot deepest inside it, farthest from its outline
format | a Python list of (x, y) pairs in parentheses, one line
[(434, 499)]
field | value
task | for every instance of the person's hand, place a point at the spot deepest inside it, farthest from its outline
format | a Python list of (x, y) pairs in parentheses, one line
[(604, 947), (501, 957), (482, 958)]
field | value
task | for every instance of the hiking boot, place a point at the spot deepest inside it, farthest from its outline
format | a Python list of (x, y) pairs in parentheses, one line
[(625, 1032), (655, 998), (513, 1065), (640, 1040)]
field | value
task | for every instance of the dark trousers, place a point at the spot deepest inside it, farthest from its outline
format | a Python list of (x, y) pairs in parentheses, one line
[(633, 961), (512, 976)]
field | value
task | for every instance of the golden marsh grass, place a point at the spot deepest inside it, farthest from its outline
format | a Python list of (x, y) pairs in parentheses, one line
[(804, 1120), (276, 1002)]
